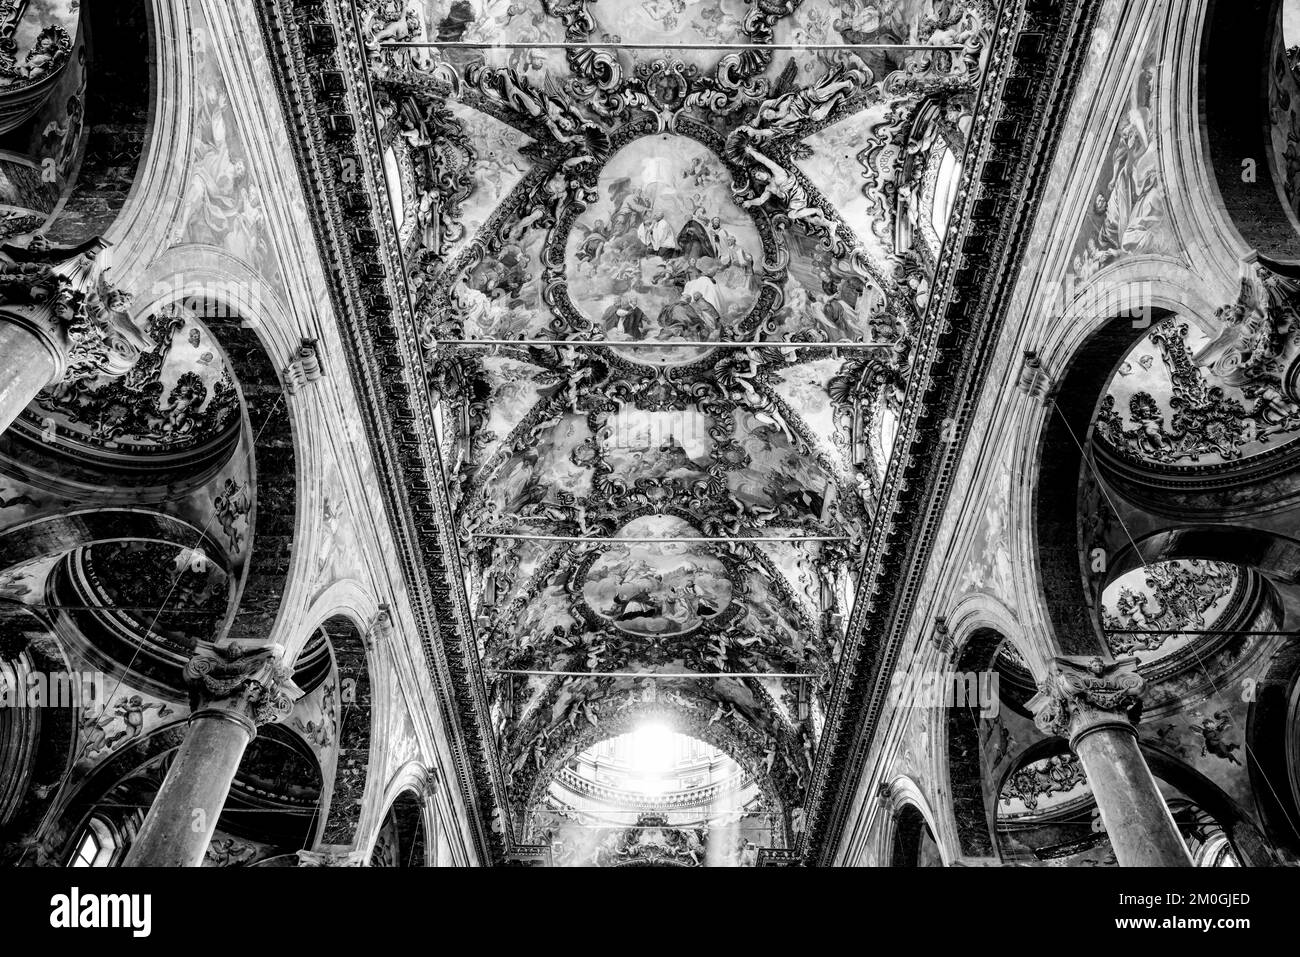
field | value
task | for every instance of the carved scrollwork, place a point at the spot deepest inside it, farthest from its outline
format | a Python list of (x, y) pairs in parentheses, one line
[(1232, 395), (249, 683), (1083, 694)]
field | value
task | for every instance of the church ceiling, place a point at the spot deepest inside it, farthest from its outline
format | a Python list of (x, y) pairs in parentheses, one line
[(760, 223)]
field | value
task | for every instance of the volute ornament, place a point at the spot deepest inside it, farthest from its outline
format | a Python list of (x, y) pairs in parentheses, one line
[(1081, 695), (252, 683)]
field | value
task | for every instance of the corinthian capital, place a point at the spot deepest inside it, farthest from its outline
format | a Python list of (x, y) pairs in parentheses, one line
[(331, 856), (1081, 695), (41, 273), (65, 290), (248, 684)]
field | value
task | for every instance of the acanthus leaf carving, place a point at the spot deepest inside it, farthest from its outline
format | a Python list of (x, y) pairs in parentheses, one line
[(249, 683), (1080, 695)]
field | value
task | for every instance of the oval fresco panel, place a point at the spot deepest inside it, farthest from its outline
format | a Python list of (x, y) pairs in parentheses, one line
[(665, 253), (657, 589)]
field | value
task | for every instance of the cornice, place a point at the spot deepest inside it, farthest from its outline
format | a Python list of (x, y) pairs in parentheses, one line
[(319, 69), (1033, 66)]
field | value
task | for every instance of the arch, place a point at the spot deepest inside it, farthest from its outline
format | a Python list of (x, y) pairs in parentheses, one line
[(974, 808), (1272, 720), (570, 742), (1070, 602), (283, 815), (1235, 121), (403, 837), (36, 744), (68, 817), (910, 819), (1248, 842), (242, 311), (1273, 555), (119, 104), (268, 802), (342, 809), (412, 785)]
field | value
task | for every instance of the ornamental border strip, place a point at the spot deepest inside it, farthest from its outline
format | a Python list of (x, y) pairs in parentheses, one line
[(1034, 64), (322, 83)]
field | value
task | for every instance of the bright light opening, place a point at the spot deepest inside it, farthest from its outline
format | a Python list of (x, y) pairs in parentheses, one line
[(652, 752)]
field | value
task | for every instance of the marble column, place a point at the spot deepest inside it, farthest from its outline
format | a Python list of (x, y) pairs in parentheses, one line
[(233, 690), (1094, 704)]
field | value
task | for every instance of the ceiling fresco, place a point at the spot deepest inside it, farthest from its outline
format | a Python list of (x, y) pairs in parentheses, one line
[(746, 220), (1188, 396)]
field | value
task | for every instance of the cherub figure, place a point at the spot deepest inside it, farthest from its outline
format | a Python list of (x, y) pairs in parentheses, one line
[(1213, 732)]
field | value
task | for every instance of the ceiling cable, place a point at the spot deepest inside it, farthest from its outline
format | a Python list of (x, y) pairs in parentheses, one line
[(612, 45), (694, 540), (666, 344), (685, 675), (1185, 631)]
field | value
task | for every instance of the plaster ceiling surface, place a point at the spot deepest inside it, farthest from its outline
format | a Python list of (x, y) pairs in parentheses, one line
[(719, 228)]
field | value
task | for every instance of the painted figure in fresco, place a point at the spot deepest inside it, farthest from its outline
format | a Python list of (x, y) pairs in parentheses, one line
[(635, 599), (15, 501), (786, 114), (132, 710), (658, 236), (694, 239), (230, 506), (47, 55), (591, 247), (626, 316), (691, 317), (94, 731), (228, 852), (667, 12), (782, 187), (1132, 203), (391, 21), (12, 585), (548, 106), (1213, 732)]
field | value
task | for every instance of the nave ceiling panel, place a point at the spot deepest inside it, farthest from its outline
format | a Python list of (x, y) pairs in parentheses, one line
[(654, 327), (664, 196)]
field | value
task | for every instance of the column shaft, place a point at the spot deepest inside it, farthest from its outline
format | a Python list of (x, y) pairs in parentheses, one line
[(1094, 704), (28, 363), (1137, 819), (179, 826)]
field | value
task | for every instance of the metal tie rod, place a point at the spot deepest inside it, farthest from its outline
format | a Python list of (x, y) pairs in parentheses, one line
[(673, 675), (654, 344), (694, 540), (620, 826), (1191, 631), (611, 45)]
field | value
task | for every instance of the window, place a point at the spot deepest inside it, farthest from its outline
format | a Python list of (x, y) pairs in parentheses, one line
[(95, 849)]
